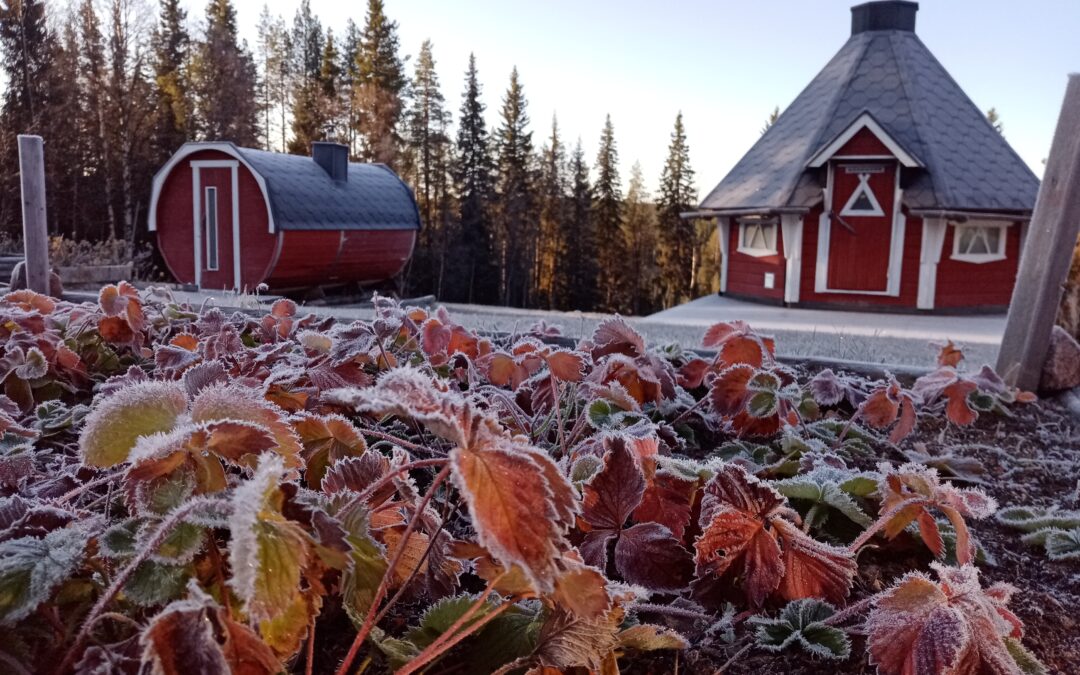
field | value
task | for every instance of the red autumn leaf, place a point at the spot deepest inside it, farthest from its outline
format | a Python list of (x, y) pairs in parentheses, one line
[(615, 491), (434, 337), (503, 369), (728, 393), (637, 380), (887, 404), (648, 555), (744, 535), (950, 355), (692, 373), (565, 365), (583, 591), (31, 301), (957, 408), (951, 626), (668, 500), (737, 343), (615, 336)]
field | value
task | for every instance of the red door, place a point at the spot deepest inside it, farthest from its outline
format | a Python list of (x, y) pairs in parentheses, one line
[(860, 231), (216, 229)]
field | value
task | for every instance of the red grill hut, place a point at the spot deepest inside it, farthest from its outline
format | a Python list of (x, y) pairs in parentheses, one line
[(881, 186), (231, 218)]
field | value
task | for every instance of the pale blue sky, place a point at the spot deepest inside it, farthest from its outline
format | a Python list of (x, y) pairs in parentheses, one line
[(724, 63)]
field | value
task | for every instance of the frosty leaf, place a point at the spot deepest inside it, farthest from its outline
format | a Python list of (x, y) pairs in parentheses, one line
[(800, 624), (1025, 660), (509, 636), (197, 636), (615, 336), (668, 501), (566, 640), (116, 422), (825, 490), (367, 565), (950, 626), (648, 555), (1032, 518), (1063, 544), (565, 365), (153, 584), (239, 403), (118, 541), (647, 637), (613, 493), (267, 552), (181, 544), (582, 590), (326, 440), (813, 569), (355, 474), (736, 342), (32, 568)]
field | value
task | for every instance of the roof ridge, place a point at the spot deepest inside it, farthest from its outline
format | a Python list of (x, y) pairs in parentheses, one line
[(918, 116)]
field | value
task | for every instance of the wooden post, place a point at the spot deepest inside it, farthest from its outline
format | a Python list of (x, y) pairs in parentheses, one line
[(35, 230), (1044, 265)]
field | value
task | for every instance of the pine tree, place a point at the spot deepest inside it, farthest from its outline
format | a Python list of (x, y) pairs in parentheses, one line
[(473, 176), (309, 114), (277, 77), (515, 222), (575, 268), (350, 45), (995, 120), (307, 44), (607, 221), (427, 145), (771, 120), (172, 127), (552, 195), (379, 86), (639, 230), (223, 79), (677, 194)]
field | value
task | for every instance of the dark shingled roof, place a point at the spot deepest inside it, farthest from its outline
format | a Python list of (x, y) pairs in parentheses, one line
[(304, 197), (894, 77)]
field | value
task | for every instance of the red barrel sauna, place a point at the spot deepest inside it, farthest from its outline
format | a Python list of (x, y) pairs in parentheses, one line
[(231, 218)]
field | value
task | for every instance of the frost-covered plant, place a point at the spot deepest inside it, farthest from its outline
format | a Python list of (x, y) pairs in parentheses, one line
[(1056, 530)]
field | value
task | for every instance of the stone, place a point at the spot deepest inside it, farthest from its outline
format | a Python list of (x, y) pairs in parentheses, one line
[(1061, 370), (18, 280)]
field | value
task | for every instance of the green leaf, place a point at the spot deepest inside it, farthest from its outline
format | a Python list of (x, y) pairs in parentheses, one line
[(1063, 544), (181, 544), (1032, 518), (800, 623), (118, 541), (1025, 660), (762, 404), (511, 635), (32, 568), (584, 468), (120, 419), (168, 493), (440, 616), (367, 565), (397, 652), (153, 583)]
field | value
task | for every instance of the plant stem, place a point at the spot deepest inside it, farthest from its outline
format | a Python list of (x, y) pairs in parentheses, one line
[(734, 657), (849, 611), (558, 414), (882, 520), (75, 492), (389, 478), (677, 612), (309, 658), (155, 542), (382, 435), (686, 413), (380, 593)]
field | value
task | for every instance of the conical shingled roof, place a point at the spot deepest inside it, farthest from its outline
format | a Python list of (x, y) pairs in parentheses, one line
[(891, 75)]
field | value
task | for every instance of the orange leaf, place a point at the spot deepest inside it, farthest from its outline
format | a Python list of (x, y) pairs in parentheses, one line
[(565, 365)]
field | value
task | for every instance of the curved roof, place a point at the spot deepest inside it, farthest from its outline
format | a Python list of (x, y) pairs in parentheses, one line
[(891, 75), (304, 197)]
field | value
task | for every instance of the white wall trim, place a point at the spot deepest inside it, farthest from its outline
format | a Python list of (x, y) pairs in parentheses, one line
[(196, 223), (724, 223), (215, 163), (933, 240), (896, 247), (190, 148), (236, 226), (864, 121), (791, 226), (198, 215)]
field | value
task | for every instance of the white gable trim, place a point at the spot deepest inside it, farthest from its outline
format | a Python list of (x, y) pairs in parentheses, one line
[(864, 121), (188, 149)]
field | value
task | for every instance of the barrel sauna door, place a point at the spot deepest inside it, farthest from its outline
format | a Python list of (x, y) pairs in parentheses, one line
[(215, 212)]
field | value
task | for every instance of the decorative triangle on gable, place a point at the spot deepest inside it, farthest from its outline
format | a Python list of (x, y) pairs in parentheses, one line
[(862, 202), (864, 121)]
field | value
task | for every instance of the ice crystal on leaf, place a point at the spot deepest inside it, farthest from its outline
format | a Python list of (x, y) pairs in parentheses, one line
[(745, 535), (946, 627), (889, 404), (31, 568), (1057, 530), (735, 343), (801, 623), (116, 423)]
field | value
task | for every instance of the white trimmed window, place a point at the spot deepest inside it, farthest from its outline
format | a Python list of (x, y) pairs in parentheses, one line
[(210, 199), (757, 237), (977, 242)]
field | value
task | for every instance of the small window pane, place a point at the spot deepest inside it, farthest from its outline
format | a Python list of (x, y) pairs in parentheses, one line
[(967, 235), (978, 241), (993, 238), (769, 236), (211, 229)]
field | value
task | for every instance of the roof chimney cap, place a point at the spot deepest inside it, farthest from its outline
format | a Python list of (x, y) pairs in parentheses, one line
[(333, 158), (884, 15)]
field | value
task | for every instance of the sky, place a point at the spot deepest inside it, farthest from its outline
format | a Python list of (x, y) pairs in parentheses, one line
[(724, 64)]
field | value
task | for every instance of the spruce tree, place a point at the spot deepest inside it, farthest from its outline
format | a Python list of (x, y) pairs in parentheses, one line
[(575, 268), (607, 222), (677, 195), (379, 86), (639, 229), (224, 78), (350, 45), (425, 164), (473, 176), (515, 222), (171, 44), (552, 195), (309, 113)]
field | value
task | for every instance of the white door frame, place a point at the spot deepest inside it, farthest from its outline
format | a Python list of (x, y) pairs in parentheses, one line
[(196, 211), (896, 245)]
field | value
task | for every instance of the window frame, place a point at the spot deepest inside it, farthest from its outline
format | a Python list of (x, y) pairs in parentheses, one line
[(863, 186), (981, 258), (213, 257), (762, 223)]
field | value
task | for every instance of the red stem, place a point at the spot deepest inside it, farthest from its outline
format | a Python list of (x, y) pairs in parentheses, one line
[(441, 646), (369, 620)]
